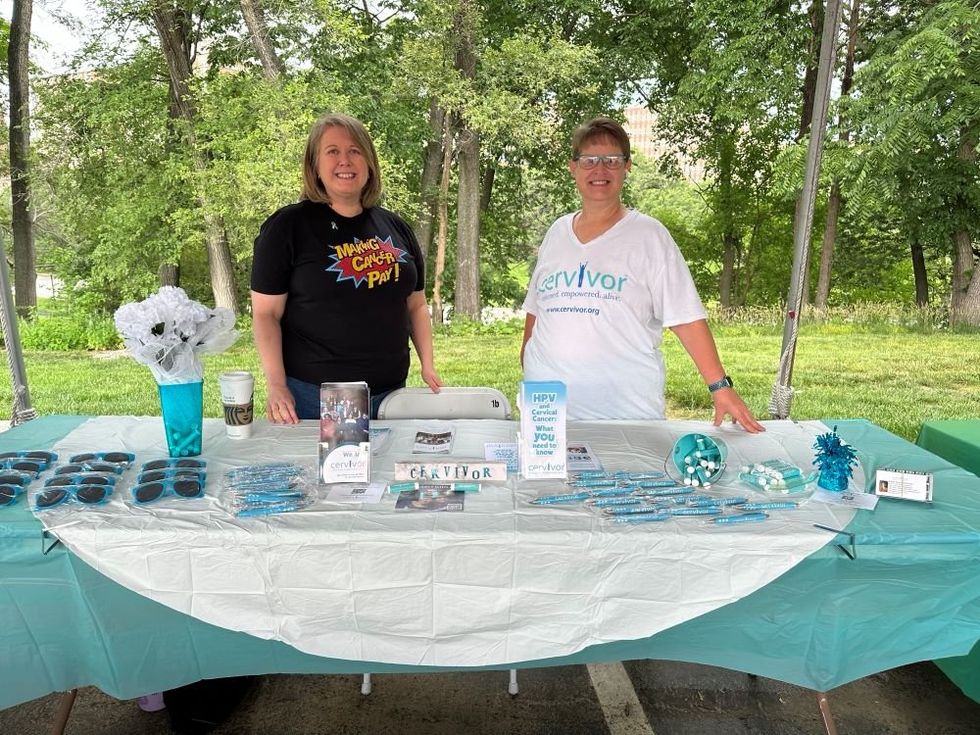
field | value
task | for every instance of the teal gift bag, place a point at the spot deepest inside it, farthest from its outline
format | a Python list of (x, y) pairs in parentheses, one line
[(182, 407)]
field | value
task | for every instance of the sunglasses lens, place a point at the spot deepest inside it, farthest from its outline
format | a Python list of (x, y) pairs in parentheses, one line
[(59, 481), (41, 455), (91, 494), (118, 457), (8, 479), (68, 469), (27, 466), (153, 476), (9, 455), (83, 457), (50, 498), (187, 488), (8, 494), (189, 463), (147, 493), (156, 464)]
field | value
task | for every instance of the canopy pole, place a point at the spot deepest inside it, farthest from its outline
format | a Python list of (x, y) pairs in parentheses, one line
[(782, 391), (22, 409)]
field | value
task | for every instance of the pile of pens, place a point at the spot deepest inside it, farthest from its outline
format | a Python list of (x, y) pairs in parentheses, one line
[(646, 497), (267, 489)]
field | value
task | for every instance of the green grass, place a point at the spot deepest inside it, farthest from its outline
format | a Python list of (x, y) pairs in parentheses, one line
[(895, 379)]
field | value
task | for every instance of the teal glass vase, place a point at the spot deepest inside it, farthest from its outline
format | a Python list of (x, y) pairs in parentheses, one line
[(182, 407)]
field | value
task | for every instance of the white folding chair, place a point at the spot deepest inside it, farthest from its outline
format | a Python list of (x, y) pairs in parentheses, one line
[(448, 403)]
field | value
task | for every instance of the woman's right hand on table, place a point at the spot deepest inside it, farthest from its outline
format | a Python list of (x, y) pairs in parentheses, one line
[(280, 406)]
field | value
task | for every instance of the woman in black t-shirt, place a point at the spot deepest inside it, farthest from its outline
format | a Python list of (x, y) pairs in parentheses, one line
[(338, 283)]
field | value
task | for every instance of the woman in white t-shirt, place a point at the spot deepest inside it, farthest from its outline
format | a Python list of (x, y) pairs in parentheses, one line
[(607, 281)]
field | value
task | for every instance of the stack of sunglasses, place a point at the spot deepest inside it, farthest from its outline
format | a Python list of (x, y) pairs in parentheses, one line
[(88, 479), (18, 470), (261, 490), (177, 476)]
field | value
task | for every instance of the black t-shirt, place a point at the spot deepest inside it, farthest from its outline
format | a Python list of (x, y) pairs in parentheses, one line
[(346, 280)]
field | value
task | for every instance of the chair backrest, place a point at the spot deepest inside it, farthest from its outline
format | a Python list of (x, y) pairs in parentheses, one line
[(448, 403)]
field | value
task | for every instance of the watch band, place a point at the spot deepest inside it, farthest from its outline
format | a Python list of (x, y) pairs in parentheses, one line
[(725, 382)]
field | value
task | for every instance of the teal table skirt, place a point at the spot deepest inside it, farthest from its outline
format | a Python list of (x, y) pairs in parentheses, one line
[(957, 442), (912, 594)]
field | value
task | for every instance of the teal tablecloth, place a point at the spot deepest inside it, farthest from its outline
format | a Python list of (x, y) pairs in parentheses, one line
[(913, 594), (957, 442)]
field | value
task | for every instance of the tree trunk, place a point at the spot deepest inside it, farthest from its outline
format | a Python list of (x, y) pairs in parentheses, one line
[(467, 292), (729, 236), (827, 247), (919, 272), (22, 215), (834, 201), (169, 274), (486, 188), (255, 20), (431, 176), (443, 218), (810, 76), (965, 296), (172, 25)]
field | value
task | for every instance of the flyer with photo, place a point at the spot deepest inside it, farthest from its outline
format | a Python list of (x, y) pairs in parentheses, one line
[(432, 442), (432, 498), (581, 457)]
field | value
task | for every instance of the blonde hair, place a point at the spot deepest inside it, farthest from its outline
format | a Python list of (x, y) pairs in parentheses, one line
[(313, 189), (600, 127)]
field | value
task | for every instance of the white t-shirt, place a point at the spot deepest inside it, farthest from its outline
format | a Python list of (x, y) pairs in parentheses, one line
[(600, 310)]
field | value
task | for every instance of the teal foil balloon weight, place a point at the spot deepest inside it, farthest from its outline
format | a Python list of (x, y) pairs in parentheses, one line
[(835, 459), (182, 406), (699, 458)]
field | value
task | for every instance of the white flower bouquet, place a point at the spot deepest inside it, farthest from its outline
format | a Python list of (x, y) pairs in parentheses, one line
[(168, 332)]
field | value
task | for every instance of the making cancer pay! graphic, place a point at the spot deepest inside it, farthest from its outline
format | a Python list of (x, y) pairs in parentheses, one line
[(374, 261)]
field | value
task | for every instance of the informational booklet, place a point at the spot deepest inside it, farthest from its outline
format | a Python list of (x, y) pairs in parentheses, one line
[(359, 492), (345, 447), (432, 497), (542, 437), (432, 442), (581, 457)]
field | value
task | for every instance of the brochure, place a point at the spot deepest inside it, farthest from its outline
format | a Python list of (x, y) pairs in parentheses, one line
[(345, 448), (502, 452), (581, 457), (431, 442), (432, 497), (356, 492), (542, 436)]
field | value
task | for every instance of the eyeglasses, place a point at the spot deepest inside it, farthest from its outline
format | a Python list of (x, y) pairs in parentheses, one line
[(171, 462), (114, 457), (181, 487), (34, 466), (172, 473), (9, 494), (15, 477), (81, 478), (70, 469), (611, 162), (87, 494), (43, 456)]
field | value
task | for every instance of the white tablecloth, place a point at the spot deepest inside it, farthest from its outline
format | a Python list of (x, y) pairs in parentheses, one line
[(503, 581)]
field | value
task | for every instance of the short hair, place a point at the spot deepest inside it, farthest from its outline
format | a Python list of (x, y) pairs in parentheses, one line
[(313, 189), (600, 127)]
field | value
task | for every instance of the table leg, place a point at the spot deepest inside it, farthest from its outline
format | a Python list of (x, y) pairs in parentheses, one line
[(366, 685), (828, 719), (64, 710)]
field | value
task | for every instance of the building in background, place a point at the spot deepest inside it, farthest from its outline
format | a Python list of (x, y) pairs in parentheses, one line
[(641, 127)]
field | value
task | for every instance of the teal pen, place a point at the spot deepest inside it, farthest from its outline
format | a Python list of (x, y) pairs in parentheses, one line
[(644, 518), (254, 512), (551, 499), (402, 487), (702, 511), (741, 518), (771, 505), (466, 487)]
